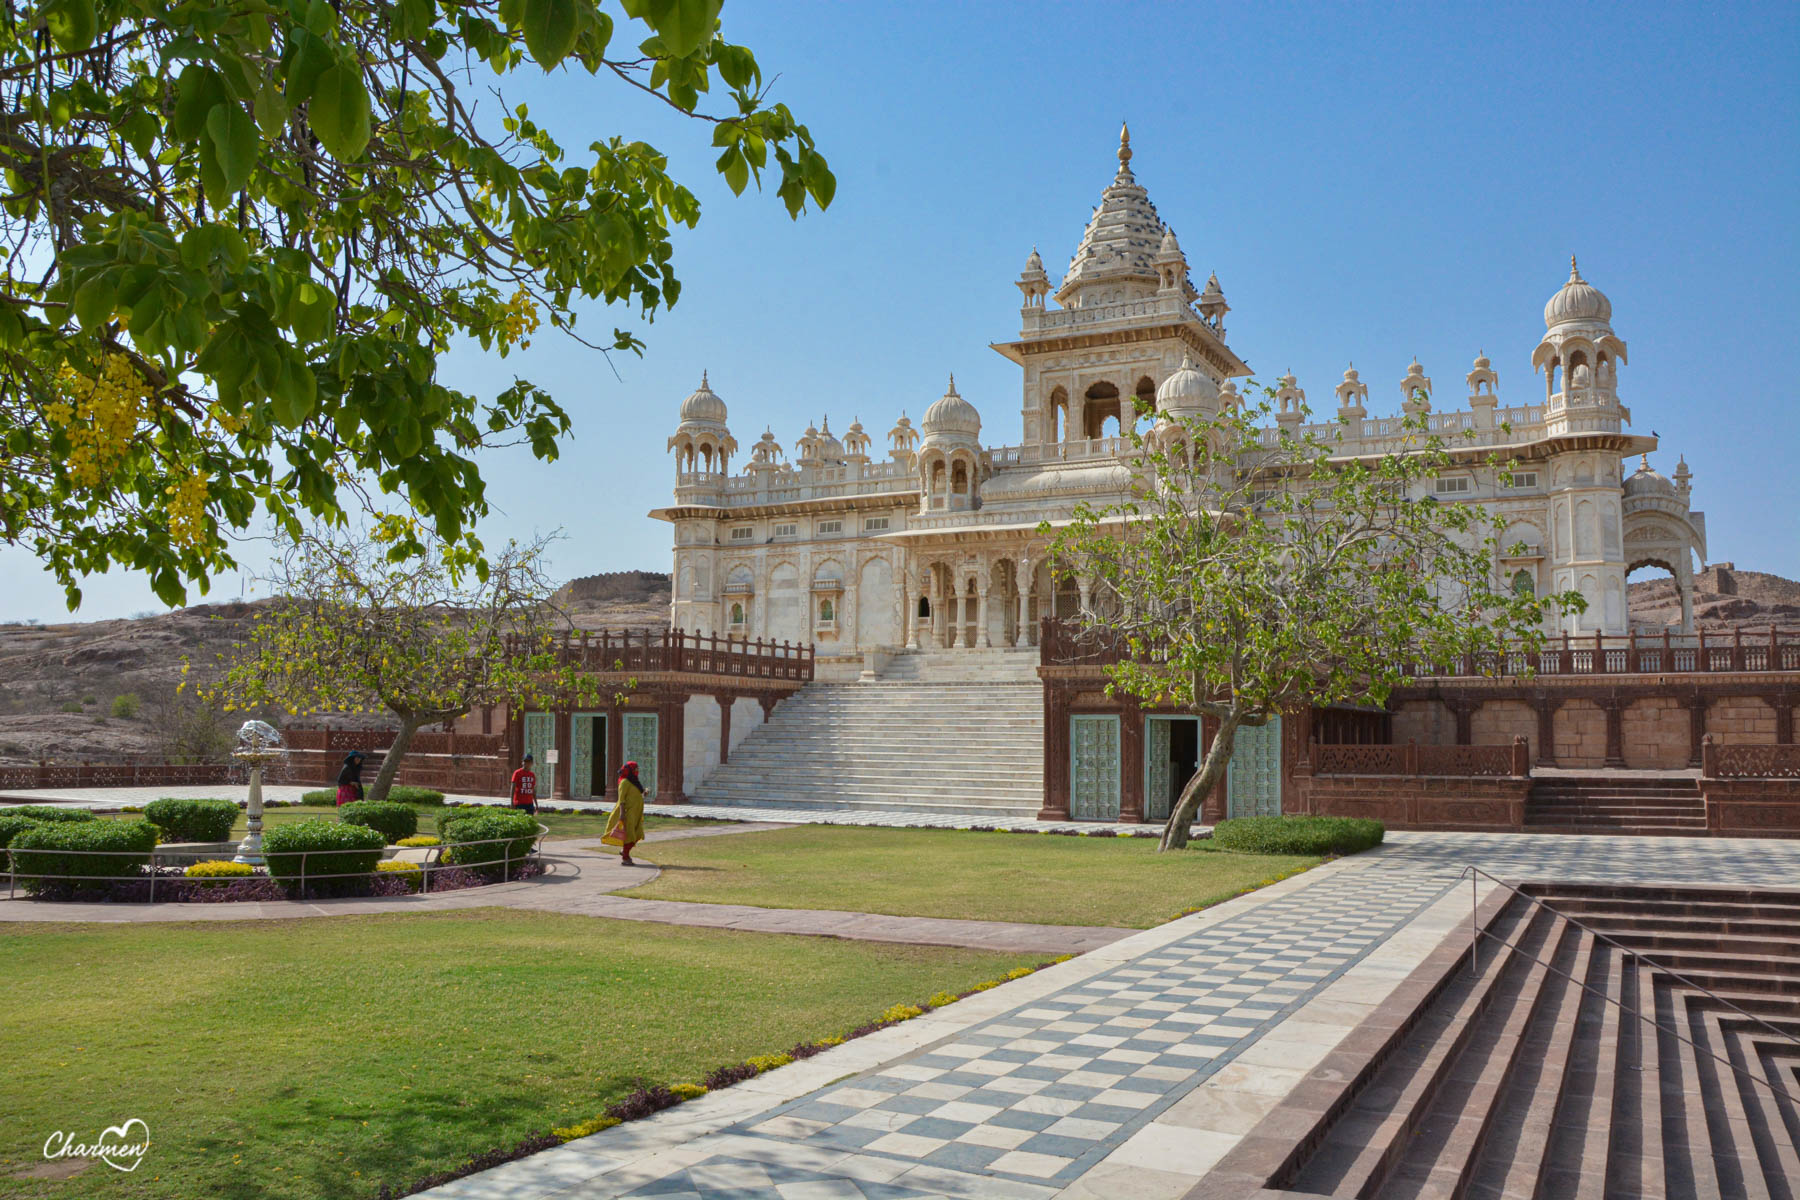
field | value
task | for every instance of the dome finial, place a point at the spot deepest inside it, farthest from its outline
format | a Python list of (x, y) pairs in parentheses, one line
[(1644, 460), (1124, 146), (952, 390), (703, 382), (1574, 271)]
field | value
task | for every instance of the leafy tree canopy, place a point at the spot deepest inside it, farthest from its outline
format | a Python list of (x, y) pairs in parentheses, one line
[(352, 630), (1255, 570), (240, 233)]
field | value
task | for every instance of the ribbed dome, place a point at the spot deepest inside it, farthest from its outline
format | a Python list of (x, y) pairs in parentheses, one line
[(704, 405), (828, 446), (951, 415), (1186, 390), (1646, 481), (1577, 300)]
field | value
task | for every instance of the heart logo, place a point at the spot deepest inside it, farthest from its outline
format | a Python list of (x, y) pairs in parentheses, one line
[(127, 1149)]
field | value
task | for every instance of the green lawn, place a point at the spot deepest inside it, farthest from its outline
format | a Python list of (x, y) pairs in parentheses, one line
[(1038, 878), (315, 1058), (561, 825)]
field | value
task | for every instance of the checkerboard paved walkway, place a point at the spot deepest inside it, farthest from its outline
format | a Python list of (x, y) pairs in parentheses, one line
[(1127, 1072)]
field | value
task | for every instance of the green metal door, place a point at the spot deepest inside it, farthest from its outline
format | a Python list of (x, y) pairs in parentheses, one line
[(587, 761), (1253, 781), (540, 739), (1159, 777), (640, 747), (1094, 768)]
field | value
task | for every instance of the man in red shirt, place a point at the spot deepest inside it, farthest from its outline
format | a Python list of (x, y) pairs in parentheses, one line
[(524, 787)]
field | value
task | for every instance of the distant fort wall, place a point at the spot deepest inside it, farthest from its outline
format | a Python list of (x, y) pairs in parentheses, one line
[(617, 585)]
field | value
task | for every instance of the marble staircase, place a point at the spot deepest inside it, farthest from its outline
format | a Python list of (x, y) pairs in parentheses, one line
[(954, 732), (1621, 803), (1534, 1071)]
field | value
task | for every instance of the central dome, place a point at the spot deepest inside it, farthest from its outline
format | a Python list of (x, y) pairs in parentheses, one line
[(1578, 300), (951, 415)]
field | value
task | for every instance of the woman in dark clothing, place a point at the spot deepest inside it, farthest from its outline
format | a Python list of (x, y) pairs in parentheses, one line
[(349, 780)]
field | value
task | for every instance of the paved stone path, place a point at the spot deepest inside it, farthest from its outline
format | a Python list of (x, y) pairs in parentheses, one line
[(1128, 1072), (799, 815)]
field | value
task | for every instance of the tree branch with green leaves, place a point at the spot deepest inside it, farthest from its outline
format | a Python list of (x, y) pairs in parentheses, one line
[(1255, 570), (357, 628), (238, 237)]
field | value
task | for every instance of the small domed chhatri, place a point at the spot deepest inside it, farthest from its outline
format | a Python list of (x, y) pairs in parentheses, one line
[(1648, 481), (1577, 300), (951, 414), (1187, 391), (703, 404)]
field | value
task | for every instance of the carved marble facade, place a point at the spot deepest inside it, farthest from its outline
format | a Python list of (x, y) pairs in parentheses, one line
[(935, 544)]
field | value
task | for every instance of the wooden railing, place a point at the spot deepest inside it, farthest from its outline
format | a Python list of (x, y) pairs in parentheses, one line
[(1062, 643), (1633, 654), (1414, 759), (380, 739), (678, 650), (1719, 761)]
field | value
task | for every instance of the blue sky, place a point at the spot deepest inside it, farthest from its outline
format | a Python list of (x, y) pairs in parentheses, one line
[(1367, 185)]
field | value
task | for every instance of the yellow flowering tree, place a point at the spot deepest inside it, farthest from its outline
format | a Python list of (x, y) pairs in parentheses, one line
[(357, 626), (239, 235)]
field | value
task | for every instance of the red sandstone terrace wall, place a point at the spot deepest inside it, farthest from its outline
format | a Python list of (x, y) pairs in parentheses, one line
[(1495, 804)]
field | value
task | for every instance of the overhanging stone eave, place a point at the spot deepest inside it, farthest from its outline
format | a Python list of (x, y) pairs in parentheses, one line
[(1195, 334)]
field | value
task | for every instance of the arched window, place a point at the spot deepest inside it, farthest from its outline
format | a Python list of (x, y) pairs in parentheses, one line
[(1523, 584), (924, 608), (826, 612), (737, 616)]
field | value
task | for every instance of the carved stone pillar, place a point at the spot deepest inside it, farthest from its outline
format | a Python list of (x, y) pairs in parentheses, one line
[(1463, 710), (1131, 764), (559, 777), (1023, 637), (1056, 755), (725, 703), (1614, 708), (1695, 701), (985, 639), (671, 751), (1546, 707)]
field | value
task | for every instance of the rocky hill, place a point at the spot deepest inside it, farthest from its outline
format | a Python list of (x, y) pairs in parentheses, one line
[(1725, 598), (105, 689)]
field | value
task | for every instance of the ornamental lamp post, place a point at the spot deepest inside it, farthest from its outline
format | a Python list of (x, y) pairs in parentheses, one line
[(258, 743)]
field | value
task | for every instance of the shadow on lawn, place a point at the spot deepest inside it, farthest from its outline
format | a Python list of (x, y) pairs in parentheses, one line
[(414, 1136)]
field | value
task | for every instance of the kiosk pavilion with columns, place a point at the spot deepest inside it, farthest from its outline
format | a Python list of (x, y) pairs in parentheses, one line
[(933, 542)]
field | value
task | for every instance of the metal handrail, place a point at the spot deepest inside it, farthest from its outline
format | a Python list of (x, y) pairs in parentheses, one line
[(1474, 962), (13, 873)]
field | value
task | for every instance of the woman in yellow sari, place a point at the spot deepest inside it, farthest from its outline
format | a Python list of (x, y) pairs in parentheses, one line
[(625, 826)]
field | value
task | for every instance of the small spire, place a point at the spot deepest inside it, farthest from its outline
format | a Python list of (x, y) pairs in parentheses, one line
[(952, 390), (1644, 461), (704, 386), (1574, 271), (1124, 148)]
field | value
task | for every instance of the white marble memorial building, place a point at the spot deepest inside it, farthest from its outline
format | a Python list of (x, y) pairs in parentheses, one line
[(931, 541)]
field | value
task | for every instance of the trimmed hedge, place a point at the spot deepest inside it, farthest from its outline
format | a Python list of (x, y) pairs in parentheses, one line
[(1298, 835), (283, 846), (71, 839), (389, 817), (47, 812), (399, 794), (520, 827), (11, 827), (192, 820)]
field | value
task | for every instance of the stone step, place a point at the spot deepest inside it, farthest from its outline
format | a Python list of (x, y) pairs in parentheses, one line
[(876, 804), (1582, 1133), (1361, 1150), (1511, 1153)]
